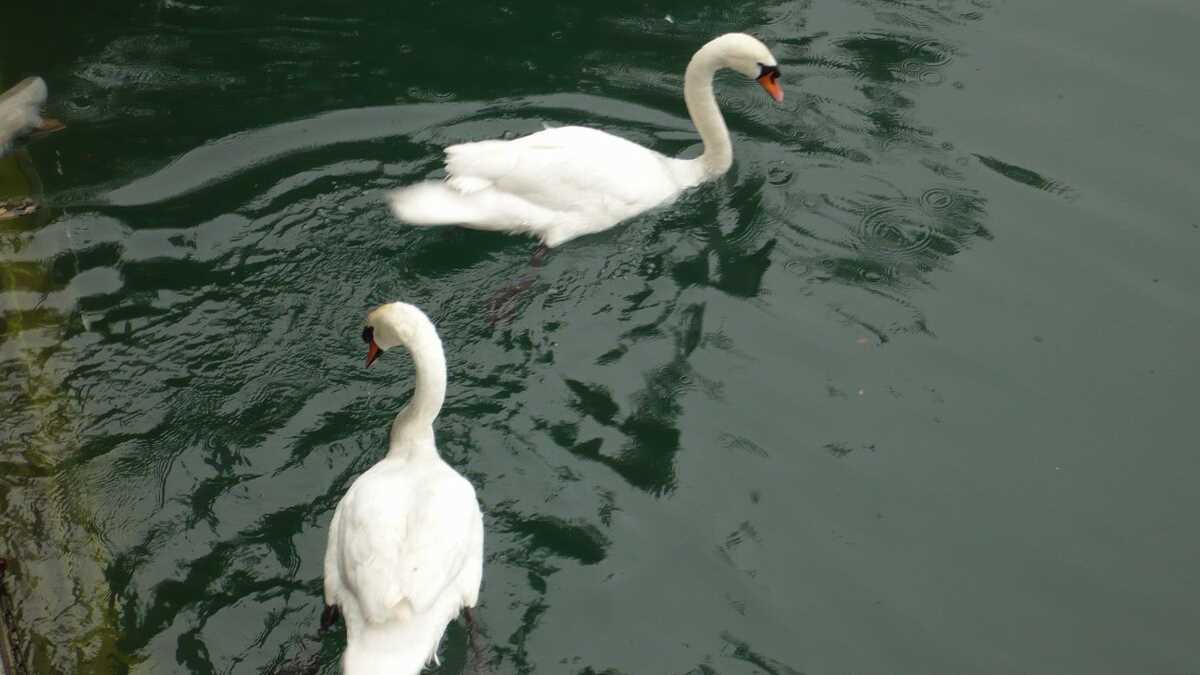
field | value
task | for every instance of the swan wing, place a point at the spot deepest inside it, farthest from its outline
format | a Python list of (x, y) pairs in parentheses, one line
[(333, 577), (471, 576), (563, 169)]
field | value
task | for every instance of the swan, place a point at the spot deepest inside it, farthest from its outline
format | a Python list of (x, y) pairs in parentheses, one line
[(565, 182), (405, 548), (21, 112)]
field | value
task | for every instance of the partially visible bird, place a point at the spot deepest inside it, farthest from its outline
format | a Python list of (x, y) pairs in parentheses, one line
[(21, 113)]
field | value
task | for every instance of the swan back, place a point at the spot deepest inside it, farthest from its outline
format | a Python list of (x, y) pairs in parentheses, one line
[(20, 109), (405, 556)]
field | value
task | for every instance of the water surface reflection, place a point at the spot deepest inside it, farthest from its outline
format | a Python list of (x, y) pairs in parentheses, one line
[(191, 403)]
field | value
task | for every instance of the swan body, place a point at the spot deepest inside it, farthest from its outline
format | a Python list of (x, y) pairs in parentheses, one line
[(561, 183), (21, 112), (405, 548)]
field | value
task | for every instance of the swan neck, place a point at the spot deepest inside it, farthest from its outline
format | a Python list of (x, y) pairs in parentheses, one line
[(412, 432), (705, 113)]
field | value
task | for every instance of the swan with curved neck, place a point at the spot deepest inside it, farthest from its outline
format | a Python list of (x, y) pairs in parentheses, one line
[(405, 548), (565, 182)]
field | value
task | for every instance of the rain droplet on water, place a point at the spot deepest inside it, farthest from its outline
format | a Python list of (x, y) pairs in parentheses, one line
[(778, 176)]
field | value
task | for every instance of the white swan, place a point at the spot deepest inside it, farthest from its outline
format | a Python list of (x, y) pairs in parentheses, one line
[(405, 550), (565, 182), (21, 112)]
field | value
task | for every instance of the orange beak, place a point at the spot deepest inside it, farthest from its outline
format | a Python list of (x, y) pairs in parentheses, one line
[(50, 125), (770, 82), (373, 352)]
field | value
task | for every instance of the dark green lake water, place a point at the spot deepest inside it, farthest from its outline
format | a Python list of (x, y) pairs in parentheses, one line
[(912, 390)]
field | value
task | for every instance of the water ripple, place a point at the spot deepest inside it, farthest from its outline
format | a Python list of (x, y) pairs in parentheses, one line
[(187, 321)]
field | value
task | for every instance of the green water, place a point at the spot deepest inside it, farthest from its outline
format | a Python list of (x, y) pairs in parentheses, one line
[(911, 390)]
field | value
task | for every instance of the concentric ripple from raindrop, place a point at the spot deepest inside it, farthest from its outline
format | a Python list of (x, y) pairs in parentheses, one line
[(890, 230), (937, 199)]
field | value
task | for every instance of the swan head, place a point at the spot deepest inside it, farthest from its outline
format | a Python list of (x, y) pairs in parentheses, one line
[(20, 111), (750, 57), (392, 325)]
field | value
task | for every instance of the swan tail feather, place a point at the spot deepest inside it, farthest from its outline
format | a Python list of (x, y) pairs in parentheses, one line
[(435, 203), (439, 203)]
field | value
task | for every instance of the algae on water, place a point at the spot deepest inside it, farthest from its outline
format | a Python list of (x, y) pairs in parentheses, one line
[(66, 618)]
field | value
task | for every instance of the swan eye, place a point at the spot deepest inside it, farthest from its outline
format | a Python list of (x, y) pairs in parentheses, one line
[(368, 334), (769, 72)]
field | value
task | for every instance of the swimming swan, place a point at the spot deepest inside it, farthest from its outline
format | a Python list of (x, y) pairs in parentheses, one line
[(565, 182), (405, 549)]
